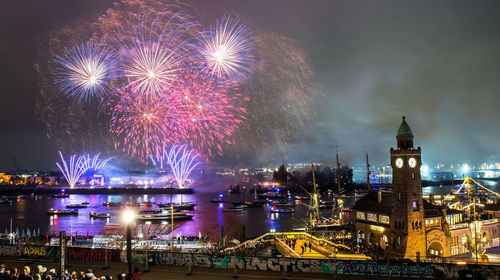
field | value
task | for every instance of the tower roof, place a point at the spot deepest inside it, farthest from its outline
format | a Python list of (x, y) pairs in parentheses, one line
[(404, 129)]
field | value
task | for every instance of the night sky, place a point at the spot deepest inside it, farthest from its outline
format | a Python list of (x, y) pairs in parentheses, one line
[(436, 62)]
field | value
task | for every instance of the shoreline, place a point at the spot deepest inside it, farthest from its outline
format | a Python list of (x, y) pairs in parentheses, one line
[(50, 190)]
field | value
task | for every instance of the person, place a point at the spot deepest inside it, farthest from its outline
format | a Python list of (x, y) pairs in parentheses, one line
[(136, 275), (26, 274), (89, 275)]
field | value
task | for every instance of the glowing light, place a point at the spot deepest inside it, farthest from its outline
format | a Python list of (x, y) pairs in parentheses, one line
[(128, 216), (227, 48), (83, 72), (465, 168)]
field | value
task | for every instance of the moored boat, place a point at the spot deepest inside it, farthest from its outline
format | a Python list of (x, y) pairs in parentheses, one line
[(99, 215), (76, 206), (234, 209), (62, 212), (282, 211), (110, 203), (60, 195), (177, 216)]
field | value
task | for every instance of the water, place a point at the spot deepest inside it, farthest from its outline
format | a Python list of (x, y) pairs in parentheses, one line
[(208, 218)]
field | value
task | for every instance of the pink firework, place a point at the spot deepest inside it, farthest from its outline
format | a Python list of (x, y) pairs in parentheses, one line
[(207, 112), (152, 52), (142, 124)]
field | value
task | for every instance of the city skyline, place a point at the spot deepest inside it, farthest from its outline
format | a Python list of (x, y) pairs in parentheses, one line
[(369, 69)]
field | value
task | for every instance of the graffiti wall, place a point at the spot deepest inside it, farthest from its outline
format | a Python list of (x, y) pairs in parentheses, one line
[(44, 252), (421, 270), (92, 255), (295, 265)]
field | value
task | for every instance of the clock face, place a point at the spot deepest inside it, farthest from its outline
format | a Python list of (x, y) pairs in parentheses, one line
[(399, 162), (412, 162)]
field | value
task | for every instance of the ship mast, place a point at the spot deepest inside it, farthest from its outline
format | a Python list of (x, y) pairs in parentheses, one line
[(339, 189), (368, 174)]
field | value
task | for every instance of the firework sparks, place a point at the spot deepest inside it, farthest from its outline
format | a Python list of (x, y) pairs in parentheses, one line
[(142, 124), (182, 161), (152, 52), (84, 71), (209, 114), (76, 167), (227, 48)]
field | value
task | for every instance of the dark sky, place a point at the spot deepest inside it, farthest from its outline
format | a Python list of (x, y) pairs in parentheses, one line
[(437, 62)]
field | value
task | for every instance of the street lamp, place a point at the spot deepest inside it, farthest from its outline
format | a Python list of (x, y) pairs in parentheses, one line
[(128, 217)]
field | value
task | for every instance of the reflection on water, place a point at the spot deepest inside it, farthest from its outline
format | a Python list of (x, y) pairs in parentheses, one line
[(208, 218)]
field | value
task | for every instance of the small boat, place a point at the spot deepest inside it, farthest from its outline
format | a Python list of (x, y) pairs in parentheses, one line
[(110, 203), (282, 211), (5, 201), (178, 216), (233, 209), (60, 212), (217, 200), (60, 195), (178, 206), (271, 195), (76, 206), (99, 215), (282, 203)]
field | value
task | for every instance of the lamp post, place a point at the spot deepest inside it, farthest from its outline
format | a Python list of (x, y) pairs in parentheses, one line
[(129, 217)]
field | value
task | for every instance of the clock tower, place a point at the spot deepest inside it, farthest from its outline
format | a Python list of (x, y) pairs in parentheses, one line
[(407, 238)]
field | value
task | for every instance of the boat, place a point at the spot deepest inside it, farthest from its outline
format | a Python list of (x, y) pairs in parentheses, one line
[(5, 201), (282, 211), (177, 216), (110, 203), (99, 215), (271, 195), (178, 206), (282, 203), (234, 209), (60, 212), (217, 200), (76, 206), (60, 195)]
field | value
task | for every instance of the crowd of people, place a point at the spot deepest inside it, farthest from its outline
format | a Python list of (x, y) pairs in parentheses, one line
[(42, 273)]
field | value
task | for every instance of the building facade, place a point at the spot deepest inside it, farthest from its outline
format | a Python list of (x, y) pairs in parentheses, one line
[(410, 227)]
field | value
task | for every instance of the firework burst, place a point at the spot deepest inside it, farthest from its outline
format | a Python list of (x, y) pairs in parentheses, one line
[(142, 124), (227, 48), (207, 112), (153, 51), (83, 72)]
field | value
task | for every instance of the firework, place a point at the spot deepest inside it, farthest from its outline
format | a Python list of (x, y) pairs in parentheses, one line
[(182, 161), (84, 71), (74, 171), (152, 52), (142, 124), (95, 163), (203, 108), (76, 167), (207, 112), (227, 48)]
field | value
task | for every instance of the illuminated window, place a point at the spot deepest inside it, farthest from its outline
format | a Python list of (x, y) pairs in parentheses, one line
[(383, 219), (371, 217), (432, 221), (360, 215), (414, 205)]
